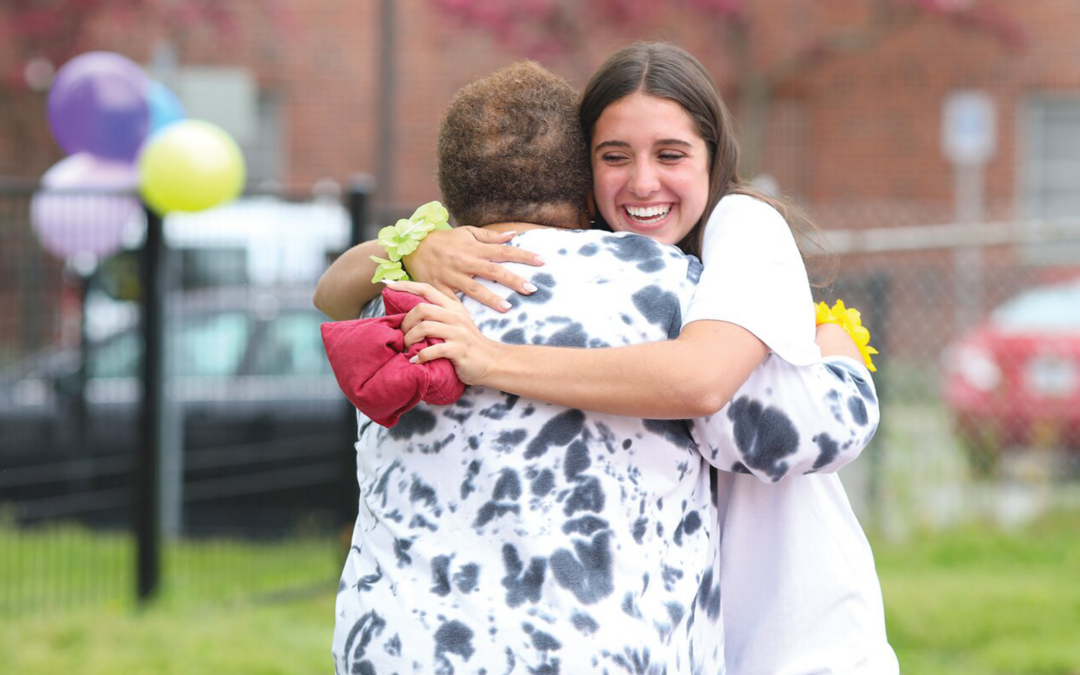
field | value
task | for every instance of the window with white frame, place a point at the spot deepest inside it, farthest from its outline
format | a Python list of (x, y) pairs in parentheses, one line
[(1050, 169)]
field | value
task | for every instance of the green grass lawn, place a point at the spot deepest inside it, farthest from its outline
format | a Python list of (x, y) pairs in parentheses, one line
[(963, 602), (226, 606), (64, 566), (986, 603), (285, 637)]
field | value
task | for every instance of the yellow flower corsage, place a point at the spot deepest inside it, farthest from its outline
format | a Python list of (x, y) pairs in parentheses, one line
[(851, 321), (402, 238)]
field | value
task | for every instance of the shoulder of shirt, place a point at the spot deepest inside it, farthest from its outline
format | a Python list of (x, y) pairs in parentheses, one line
[(744, 214), (744, 205)]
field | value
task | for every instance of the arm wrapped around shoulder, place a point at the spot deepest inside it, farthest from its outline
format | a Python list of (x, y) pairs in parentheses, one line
[(789, 420)]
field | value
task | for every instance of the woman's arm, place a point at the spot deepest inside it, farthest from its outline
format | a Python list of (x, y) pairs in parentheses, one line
[(755, 415), (659, 380), (345, 287), (789, 420), (448, 260), (656, 380)]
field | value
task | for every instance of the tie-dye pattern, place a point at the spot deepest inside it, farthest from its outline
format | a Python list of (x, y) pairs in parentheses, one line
[(502, 535)]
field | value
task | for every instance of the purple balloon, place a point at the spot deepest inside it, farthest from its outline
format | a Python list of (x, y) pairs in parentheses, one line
[(70, 219), (98, 104)]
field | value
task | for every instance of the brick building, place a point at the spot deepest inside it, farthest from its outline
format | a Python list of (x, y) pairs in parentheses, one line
[(855, 137)]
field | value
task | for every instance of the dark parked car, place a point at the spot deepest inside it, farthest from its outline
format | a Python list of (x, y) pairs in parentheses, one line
[(260, 408), (1014, 381)]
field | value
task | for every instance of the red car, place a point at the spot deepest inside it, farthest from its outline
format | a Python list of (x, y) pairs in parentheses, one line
[(1014, 381)]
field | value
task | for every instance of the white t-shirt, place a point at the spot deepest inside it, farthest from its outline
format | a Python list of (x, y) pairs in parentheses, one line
[(754, 277), (799, 588)]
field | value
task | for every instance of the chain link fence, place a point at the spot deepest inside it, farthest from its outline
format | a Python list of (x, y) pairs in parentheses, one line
[(979, 372), (979, 379)]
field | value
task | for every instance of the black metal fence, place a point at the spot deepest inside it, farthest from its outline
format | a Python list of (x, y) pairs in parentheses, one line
[(168, 420)]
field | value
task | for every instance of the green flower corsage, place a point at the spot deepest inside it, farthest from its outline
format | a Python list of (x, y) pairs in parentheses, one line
[(402, 238)]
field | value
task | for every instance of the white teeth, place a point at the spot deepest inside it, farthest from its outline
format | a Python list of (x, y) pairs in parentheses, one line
[(650, 212)]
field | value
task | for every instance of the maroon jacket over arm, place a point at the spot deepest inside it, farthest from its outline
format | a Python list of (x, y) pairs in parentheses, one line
[(372, 366)]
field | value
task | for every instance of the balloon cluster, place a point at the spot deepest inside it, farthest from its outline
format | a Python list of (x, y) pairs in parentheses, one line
[(124, 131)]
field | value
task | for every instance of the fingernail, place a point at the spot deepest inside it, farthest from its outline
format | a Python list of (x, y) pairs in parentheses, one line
[(388, 282), (538, 259), (529, 288), (505, 305), (414, 359), (512, 233)]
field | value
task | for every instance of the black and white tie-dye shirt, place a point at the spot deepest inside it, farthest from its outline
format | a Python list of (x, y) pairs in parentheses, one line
[(501, 535)]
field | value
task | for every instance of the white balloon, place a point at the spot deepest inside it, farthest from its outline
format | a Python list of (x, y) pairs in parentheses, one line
[(85, 205)]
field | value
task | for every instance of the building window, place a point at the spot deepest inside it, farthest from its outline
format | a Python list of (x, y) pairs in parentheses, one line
[(231, 99), (1050, 174)]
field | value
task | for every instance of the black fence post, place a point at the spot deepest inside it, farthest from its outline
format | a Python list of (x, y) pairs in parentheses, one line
[(82, 447), (147, 464), (358, 203)]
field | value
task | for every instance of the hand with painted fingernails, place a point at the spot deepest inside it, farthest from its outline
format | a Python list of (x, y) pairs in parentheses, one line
[(450, 261), (444, 317)]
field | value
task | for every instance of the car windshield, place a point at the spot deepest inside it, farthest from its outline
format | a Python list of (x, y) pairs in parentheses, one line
[(210, 346), (292, 346), (1049, 308), (203, 346)]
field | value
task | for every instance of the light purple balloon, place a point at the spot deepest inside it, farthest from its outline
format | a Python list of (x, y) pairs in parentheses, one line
[(98, 103), (70, 219)]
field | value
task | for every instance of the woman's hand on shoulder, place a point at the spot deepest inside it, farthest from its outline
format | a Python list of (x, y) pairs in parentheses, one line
[(445, 318), (449, 260)]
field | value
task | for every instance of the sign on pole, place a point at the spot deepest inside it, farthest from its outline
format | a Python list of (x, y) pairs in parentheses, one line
[(969, 128), (969, 139)]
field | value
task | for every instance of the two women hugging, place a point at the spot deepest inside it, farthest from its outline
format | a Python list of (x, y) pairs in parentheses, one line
[(641, 470)]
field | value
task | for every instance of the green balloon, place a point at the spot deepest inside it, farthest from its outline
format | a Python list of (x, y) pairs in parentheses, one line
[(190, 166)]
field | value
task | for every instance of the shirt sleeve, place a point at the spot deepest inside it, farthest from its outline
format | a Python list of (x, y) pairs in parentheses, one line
[(789, 420), (754, 277)]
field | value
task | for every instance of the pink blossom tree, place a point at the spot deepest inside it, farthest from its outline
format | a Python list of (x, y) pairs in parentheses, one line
[(60, 29), (38, 36)]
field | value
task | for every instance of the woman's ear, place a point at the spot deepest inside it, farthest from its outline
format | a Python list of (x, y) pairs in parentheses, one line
[(590, 210)]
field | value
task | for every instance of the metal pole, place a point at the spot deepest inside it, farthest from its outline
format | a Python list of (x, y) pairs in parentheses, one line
[(82, 448), (358, 204), (147, 464), (968, 260)]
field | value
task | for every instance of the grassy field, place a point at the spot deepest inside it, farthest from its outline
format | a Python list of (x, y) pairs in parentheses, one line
[(986, 603), (65, 566), (963, 602)]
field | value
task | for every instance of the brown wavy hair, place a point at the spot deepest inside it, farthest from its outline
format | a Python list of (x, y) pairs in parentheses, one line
[(665, 71), (511, 148)]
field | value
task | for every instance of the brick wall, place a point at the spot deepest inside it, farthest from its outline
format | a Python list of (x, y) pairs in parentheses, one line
[(857, 135)]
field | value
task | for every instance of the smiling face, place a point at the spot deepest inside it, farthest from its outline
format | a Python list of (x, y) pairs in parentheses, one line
[(650, 168)]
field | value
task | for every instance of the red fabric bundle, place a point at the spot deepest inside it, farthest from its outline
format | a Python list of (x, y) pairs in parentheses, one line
[(372, 365)]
